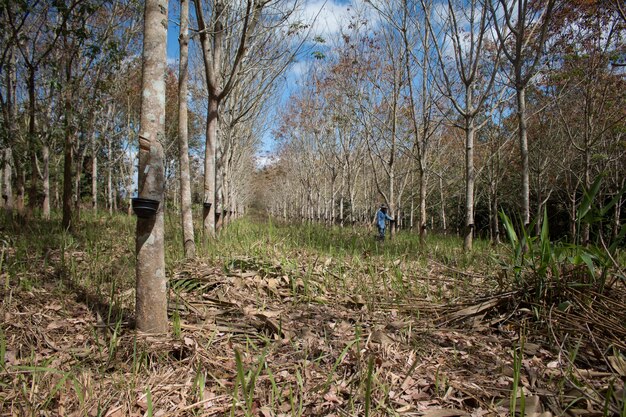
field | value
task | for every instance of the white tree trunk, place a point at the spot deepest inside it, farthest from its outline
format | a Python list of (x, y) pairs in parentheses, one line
[(209, 170), (7, 194), (94, 173), (183, 143), (523, 145), (151, 297), (469, 184), (443, 206)]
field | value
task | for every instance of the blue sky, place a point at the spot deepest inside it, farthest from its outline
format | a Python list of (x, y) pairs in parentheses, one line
[(328, 17)]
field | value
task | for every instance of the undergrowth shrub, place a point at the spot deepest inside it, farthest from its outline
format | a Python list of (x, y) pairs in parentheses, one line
[(543, 269)]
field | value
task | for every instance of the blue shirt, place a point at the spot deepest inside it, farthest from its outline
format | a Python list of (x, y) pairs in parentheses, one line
[(381, 217)]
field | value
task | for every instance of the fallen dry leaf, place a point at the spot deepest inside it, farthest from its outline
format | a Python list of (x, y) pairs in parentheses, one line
[(115, 411), (618, 363), (443, 412)]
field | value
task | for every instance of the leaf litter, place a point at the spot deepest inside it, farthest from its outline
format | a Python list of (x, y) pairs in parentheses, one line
[(306, 332)]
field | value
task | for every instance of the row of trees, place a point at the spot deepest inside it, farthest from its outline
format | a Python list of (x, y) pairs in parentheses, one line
[(451, 111), (70, 93), (529, 94), (66, 99), (92, 109)]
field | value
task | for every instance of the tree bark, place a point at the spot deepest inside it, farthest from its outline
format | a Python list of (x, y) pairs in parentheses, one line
[(209, 169), (94, 173), (183, 141), (21, 189), (9, 113), (495, 224), (616, 219), (151, 296), (110, 180), (79, 159), (45, 156), (523, 146), (469, 183), (68, 145), (443, 206), (32, 139), (422, 202), (7, 194)]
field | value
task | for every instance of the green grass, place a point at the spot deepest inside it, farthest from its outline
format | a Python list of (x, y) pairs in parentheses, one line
[(323, 265)]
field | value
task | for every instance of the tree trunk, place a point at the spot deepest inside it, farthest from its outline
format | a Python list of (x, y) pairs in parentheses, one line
[(79, 160), (10, 117), (495, 221), (7, 194), (523, 145), (352, 217), (45, 155), (422, 201), (151, 296), (443, 206), (333, 214), (209, 169), (21, 190), (32, 140), (68, 221), (183, 143), (586, 232), (392, 208), (57, 187), (2, 182), (616, 219), (94, 173), (539, 203), (342, 199), (77, 191), (110, 196), (572, 219), (225, 193), (469, 184), (220, 203)]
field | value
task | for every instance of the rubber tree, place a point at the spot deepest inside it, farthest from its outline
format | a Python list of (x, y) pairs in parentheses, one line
[(8, 104), (35, 39), (213, 36), (406, 17), (151, 296), (468, 84), (183, 134), (382, 122), (522, 27)]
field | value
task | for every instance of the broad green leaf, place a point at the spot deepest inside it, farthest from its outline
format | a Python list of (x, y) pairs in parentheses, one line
[(588, 197)]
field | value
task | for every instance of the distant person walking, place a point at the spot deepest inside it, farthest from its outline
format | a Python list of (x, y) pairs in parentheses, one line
[(381, 220)]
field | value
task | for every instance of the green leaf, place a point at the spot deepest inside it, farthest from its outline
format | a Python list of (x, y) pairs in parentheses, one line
[(588, 197), (510, 230), (564, 306), (587, 259), (546, 246), (616, 198)]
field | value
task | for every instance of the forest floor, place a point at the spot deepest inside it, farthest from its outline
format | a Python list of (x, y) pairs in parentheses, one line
[(276, 320)]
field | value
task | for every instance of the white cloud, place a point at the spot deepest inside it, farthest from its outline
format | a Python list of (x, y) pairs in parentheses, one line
[(439, 14), (299, 69), (326, 17), (264, 161)]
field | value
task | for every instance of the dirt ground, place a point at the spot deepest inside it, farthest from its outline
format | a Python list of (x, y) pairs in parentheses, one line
[(253, 338)]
